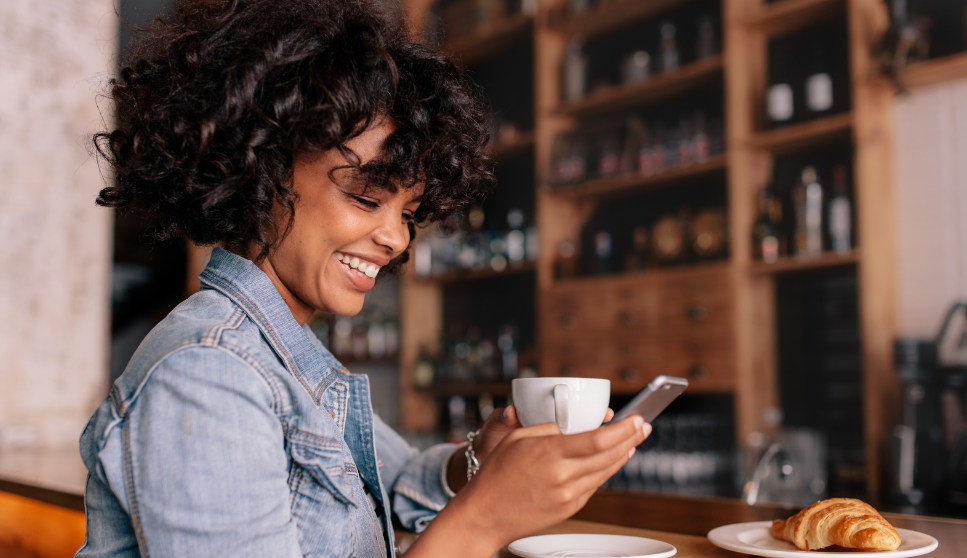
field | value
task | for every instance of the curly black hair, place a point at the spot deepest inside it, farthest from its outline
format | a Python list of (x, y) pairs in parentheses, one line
[(215, 102)]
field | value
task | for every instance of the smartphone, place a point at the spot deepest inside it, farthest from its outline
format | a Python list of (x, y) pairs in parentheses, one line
[(652, 400)]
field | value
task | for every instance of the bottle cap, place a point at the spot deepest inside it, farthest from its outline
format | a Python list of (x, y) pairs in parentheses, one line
[(809, 175)]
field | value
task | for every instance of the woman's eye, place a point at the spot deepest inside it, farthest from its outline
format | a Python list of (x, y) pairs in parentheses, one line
[(408, 217), (366, 202)]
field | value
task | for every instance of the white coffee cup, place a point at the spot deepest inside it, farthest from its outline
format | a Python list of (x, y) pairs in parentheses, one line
[(574, 404)]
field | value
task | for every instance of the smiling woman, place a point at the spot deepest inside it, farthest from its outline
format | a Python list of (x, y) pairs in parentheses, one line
[(308, 138)]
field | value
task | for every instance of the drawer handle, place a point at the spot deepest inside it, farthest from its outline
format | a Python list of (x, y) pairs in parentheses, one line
[(697, 313), (698, 372), (629, 374), (568, 371), (566, 321), (627, 317)]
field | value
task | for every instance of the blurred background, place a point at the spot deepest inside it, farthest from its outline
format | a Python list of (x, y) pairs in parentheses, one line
[(765, 197)]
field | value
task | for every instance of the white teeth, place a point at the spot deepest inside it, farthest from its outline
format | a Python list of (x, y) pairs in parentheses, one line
[(345, 259), (354, 263), (363, 266), (372, 271), (338, 255)]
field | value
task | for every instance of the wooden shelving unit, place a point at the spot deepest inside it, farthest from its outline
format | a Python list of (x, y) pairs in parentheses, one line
[(488, 41), (938, 70), (789, 264), (608, 15), (802, 137), (649, 91), (739, 342), (636, 181), (787, 16), (517, 144), (455, 275), (499, 389)]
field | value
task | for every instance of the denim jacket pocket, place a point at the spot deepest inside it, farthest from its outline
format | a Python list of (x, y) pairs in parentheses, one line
[(324, 463)]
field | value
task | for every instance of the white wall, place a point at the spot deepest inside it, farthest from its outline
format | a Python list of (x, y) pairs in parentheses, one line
[(931, 171), (54, 243)]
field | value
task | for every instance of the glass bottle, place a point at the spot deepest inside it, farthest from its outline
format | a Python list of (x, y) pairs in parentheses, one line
[(765, 232), (669, 47), (840, 213), (807, 198)]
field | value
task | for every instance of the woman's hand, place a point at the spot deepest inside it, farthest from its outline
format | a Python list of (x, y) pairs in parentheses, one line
[(501, 422), (535, 477)]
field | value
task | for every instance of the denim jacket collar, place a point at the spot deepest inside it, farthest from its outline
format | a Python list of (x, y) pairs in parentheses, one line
[(252, 290)]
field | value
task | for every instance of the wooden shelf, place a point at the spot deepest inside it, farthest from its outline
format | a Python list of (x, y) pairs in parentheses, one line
[(485, 42), (674, 270), (789, 264), (522, 141), (652, 90), (612, 15), (635, 181), (787, 16), (938, 70), (456, 275), (468, 389), (799, 137)]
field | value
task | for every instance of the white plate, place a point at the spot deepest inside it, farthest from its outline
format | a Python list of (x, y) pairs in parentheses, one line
[(590, 546), (756, 538)]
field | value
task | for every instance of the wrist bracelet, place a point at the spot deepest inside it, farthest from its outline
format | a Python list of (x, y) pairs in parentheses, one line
[(472, 464)]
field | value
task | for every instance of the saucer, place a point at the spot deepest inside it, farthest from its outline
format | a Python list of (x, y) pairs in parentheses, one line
[(756, 538), (590, 546)]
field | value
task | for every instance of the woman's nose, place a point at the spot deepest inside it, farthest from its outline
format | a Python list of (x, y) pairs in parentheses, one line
[(394, 235)]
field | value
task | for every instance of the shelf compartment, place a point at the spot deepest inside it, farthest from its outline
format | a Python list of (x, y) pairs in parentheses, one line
[(800, 137), (938, 70), (676, 271), (510, 147), (469, 389), (636, 181), (457, 275), (485, 42), (787, 16), (790, 264), (652, 90), (611, 15)]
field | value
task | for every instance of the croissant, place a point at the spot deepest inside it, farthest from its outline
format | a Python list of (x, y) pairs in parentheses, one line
[(841, 521)]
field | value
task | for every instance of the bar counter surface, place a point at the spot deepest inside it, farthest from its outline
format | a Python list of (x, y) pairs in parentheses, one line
[(56, 479)]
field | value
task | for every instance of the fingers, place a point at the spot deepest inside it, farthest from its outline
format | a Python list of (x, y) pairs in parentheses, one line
[(546, 429), (606, 437), (608, 416), (611, 458)]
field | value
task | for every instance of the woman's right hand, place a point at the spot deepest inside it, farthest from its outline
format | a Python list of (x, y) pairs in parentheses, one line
[(537, 477)]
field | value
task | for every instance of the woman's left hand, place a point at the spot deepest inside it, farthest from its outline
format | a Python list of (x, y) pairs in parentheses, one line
[(501, 422)]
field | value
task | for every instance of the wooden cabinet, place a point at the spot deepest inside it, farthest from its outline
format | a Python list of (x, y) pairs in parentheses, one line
[(630, 329)]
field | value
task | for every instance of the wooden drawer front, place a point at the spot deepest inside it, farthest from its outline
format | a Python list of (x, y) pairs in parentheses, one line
[(627, 361), (600, 309), (708, 364), (696, 307)]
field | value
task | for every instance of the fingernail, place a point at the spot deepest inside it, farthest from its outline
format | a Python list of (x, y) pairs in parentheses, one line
[(646, 429), (639, 422), (503, 415), (631, 452)]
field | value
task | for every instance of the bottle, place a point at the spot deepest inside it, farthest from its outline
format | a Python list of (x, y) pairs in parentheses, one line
[(602, 253), (807, 198), (780, 101), (637, 258), (423, 370), (765, 232), (516, 239), (574, 71), (685, 156), (508, 352), (669, 47), (705, 46), (840, 213), (376, 336), (818, 87), (701, 144), (565, 264)]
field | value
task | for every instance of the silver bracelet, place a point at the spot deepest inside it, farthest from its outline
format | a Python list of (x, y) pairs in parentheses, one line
[(472, 464)]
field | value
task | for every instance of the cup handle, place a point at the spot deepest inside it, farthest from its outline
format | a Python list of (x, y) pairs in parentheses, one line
[(562, 416)]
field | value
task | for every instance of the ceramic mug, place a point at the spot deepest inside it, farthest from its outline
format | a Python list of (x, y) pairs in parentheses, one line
[(574, 404)]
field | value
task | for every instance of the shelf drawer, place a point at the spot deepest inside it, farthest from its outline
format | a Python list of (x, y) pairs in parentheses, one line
[(696, 306), (708, 364), (629, 362), (600, 308)]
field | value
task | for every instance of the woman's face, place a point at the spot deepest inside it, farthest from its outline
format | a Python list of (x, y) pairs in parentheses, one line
[(342, 233)]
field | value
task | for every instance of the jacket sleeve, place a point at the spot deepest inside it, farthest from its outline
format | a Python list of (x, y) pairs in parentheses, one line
[(205, 466), (415, 480)]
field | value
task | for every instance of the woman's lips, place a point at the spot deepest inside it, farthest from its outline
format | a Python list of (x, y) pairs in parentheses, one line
[(363, 280)]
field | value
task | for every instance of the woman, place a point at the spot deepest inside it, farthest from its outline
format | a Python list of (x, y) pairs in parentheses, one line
[(308, 138)]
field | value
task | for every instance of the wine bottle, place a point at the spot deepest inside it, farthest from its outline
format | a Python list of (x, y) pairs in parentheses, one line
[(669, 47), (602, 253), (574, 71), (765, 232), (808, 200), (780, 101), (818, 86), (840, 213)]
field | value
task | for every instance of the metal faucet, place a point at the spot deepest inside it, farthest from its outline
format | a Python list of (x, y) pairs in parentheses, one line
[(786, 470)]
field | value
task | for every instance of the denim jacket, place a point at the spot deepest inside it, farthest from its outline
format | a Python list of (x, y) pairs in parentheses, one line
[(234, 432)]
